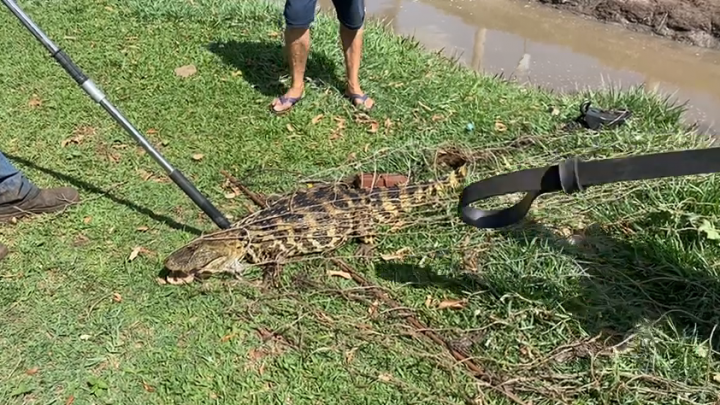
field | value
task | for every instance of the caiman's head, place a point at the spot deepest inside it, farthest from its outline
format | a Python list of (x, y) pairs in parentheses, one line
[(204, 257)]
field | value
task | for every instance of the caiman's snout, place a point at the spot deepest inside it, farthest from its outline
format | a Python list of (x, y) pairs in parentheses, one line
[(204, 258), (195, 258)]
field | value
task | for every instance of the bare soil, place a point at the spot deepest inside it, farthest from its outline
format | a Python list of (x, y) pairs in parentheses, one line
[(695, 22)]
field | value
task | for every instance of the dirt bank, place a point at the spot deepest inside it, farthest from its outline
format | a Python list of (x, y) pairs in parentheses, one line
[(695, 22)]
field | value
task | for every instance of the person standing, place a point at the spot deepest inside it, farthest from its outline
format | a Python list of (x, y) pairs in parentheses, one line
[(19, 197), (299, 15)]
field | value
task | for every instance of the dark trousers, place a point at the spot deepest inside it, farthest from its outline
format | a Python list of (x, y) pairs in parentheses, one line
[(301, 13), (14, 186)]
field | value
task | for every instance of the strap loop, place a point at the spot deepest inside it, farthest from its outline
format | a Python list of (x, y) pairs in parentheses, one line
[(568, 177)]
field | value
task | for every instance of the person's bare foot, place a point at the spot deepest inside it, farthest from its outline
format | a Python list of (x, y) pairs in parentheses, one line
[(287, 101), (360, 99)]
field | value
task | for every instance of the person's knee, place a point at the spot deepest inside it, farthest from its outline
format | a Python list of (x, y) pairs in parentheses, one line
[(299, 13), (351, 13)]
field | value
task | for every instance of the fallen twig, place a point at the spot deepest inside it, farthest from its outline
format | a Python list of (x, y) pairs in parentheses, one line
[(259, 200)]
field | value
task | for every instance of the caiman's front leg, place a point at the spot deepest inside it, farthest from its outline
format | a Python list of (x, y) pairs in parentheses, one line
[(271, 274), (366, 248)]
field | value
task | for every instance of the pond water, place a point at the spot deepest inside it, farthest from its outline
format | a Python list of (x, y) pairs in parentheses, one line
[(559, 50)]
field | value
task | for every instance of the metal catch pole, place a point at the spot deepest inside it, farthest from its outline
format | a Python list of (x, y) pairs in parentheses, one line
[(99, 97)]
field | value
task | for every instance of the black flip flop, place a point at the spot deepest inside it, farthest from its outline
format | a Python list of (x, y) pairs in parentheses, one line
[(362, 98), (283, 100)]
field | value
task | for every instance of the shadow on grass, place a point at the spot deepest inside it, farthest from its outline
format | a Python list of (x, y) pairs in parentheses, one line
[(94, 189), (413, 276), (623, 282), (262, 63)]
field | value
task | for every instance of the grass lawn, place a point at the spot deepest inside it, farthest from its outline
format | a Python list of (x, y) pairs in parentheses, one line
[(626, 316)]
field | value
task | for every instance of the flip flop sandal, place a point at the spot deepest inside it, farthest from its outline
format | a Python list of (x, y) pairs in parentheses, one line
[(362, 98), (284, 100)]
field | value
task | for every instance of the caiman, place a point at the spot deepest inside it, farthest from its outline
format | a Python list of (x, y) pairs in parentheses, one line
[(314, 220)]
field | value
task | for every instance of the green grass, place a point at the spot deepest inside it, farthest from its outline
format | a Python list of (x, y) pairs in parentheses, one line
[(96, 327)]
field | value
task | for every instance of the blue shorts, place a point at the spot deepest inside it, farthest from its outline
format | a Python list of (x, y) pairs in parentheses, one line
[(301, 13)]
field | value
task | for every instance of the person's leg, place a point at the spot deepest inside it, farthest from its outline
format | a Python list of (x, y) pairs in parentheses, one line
[(20, 197), (351, 15), (299, 14), (14, 186)]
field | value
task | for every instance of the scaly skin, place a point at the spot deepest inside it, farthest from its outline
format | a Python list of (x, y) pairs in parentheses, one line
[(316, 220)]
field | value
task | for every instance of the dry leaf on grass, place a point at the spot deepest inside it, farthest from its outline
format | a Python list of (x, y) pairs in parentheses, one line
[(198, 157), (452, 304), (145, 175), (374, 126), (324, 317), (117, 297), (384, 377), (186, 71), (87, 220), (265, 333), (77, 139), (142, 228), (350, 355), (35, 101), (554, 111), (257, 354), (137, 251), (500, 127), (373, 308), (134, 253), (337, 132), (317, 118), (397, 255), (70, 400), (388, 124), (335, 273), (32, 371), (81, 240), (148, 387)]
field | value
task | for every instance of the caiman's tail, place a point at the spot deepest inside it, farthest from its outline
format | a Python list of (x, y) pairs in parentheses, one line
[(403, 198)]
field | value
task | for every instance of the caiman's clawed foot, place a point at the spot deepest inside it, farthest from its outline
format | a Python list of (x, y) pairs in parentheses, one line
[(365, 252), (271, 275)]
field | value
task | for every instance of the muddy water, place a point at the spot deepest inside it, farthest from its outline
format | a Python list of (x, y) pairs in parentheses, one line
[(557, 50)]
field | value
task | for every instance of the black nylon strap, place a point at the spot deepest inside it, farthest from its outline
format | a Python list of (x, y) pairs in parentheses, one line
[(573, 175)]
